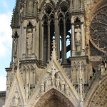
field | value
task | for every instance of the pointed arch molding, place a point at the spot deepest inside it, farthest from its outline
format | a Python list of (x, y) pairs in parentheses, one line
[(17, 88), (32, 21), (45, 1), (97, 96), (55, 79), (56, 95), (53, 2)]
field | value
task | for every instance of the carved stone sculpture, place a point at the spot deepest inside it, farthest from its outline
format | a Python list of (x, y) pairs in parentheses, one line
[(78, 38), (29, 39)]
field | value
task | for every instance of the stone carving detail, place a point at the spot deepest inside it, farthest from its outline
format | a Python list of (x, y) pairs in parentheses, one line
[(56, 1), (54, 79), (78, 38), (30, 7), (16, 101), (103, 68), (29, 77), (29, 40), (99, 98)]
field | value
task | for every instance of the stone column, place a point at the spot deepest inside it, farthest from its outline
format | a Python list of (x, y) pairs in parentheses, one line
[(48, 41), (41, 40), (64, 44), (34, 77), (81, 85), (23, 42), (72, 36), (83, 36), (33, 49), (37, 41), (27, 83), (57, 37)]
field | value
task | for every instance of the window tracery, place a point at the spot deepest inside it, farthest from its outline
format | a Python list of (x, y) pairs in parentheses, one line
[(98, 29), (57, 25)]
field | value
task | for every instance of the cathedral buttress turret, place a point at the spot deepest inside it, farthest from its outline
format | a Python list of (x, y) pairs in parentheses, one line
[(78, 29)]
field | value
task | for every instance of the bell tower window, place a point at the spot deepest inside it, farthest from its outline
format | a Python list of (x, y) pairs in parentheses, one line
[(64, 33), (49, 32), (57, 25)]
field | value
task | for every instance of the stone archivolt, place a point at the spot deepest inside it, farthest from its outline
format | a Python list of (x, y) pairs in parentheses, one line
[(98, 96)]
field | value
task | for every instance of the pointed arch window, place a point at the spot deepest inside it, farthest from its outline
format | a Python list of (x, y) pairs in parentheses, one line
[(49, 31), (64, 33), (59, 30)]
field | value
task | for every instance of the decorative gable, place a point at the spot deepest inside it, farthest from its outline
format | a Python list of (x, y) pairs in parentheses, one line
[(55, 78), (14, 99)]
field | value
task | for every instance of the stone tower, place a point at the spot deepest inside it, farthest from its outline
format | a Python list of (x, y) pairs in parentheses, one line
[(59, 54)]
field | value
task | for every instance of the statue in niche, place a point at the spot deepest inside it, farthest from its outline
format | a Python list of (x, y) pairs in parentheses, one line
[(78, 38), (29, 40), (30, 8)]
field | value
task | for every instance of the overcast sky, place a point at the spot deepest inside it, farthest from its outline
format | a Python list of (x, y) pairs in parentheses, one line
[(6, 8)]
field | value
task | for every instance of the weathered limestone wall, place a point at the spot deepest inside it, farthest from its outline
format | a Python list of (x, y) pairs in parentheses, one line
[(2, 98)]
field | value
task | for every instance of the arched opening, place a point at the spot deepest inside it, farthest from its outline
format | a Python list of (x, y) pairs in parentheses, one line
[(98, 96), (52, 32), (68, 37), (64, 33), (57, 25), (54, 98), (15, 46), (48, 32), (45, 38)]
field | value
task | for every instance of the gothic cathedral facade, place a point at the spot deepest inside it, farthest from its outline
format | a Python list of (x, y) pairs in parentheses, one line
[(59, 54)]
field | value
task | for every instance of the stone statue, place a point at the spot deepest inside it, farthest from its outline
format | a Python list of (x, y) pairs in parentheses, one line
[(53, 75), (102, 69), (58, 81), (30, 7), (29, 40), (42, 88), (78, 38)]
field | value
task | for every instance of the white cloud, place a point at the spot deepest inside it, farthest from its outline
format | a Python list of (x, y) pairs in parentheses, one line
[(2, 83), (5, 44), (5, 34)]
